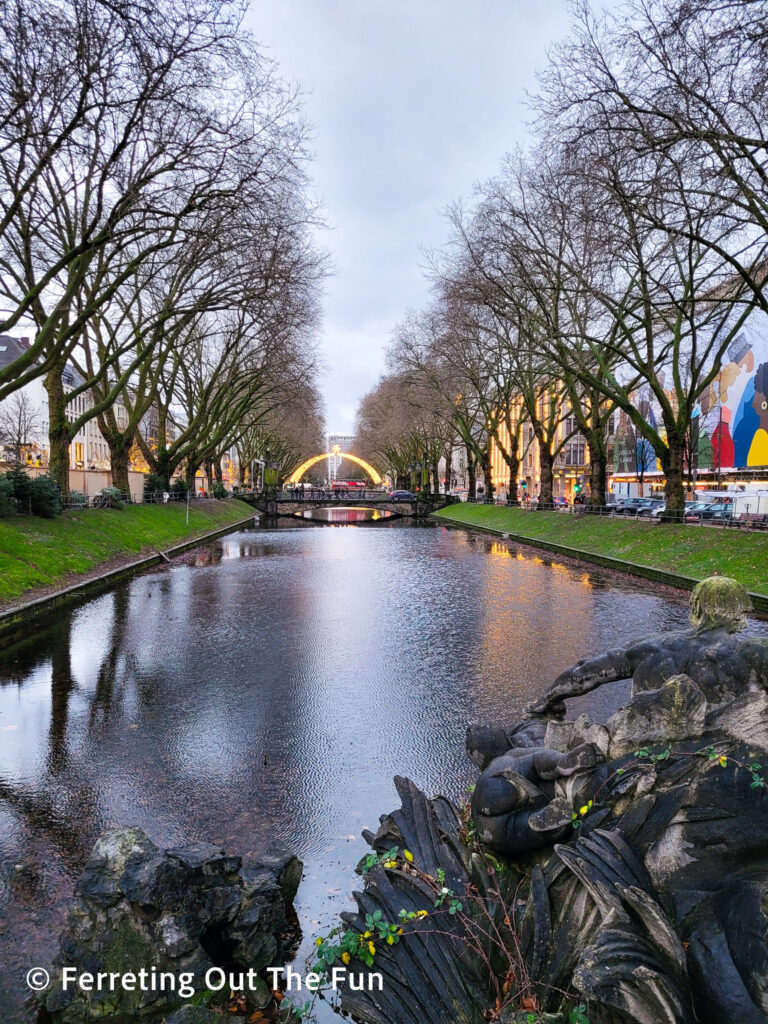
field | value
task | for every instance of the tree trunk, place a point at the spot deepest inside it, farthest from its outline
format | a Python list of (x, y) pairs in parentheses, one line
[(118, 456), (58, 428), (598, 469), (513, 461), (163, 468), (547, 462), (673, 464), (471, 478), (487, 473), (162, 459), (189, 475), (218, 471)]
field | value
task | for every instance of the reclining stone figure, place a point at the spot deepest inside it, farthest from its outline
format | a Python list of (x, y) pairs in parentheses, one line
[(722, 664)]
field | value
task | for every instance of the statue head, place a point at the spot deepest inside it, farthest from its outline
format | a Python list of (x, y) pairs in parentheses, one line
[(720, 601)]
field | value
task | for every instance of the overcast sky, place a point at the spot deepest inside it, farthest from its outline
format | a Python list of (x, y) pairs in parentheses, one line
[(412, 102)]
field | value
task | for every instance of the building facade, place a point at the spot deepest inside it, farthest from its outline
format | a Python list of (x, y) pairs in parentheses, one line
[(337, 443), (729, 434)]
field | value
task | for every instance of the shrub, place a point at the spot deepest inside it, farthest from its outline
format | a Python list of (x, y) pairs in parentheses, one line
[(21, 485), (77, 500), (218, 490), (179, 487), (7, 501), (153, 484), (114, 496), (44, 497)]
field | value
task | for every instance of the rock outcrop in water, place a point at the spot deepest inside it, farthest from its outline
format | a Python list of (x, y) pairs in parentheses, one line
[(176, 912), (622, 871)]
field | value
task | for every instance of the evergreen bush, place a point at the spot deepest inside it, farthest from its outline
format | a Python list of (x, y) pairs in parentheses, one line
[(7, 500), (153, 485), (114, 496), (44, 497), (21, 484)]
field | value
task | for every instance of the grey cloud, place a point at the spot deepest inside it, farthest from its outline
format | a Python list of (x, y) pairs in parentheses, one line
[(413, 101)]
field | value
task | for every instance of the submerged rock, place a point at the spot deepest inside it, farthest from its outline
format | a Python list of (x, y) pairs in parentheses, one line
[(162, 919)]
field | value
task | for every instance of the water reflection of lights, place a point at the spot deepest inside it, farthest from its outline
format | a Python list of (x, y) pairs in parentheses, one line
[(345, 516)]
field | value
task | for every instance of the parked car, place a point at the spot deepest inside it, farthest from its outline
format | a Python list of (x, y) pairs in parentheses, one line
[(403, 496), (703, 511), (654, 508), (689, 505), (631, 506), (693, 510)]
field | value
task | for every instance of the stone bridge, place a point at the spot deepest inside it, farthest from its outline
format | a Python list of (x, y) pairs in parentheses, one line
[(286, 504)]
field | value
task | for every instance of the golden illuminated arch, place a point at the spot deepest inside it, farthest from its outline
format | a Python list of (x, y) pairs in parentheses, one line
[(299, 473)]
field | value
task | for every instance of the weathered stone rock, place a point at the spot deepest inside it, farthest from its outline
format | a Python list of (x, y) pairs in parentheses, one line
[(587, 731), (175, 912), (101, 881), (720, 601), (745, 719), (284, 865), (676, 711)]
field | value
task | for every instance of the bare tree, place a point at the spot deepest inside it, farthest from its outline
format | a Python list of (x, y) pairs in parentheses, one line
[(103, 170), (684, 86), (19, 424)]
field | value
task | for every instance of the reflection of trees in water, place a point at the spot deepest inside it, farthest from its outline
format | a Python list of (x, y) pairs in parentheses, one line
[(62, 806), (117, 668), (62, 687), (62, 826)]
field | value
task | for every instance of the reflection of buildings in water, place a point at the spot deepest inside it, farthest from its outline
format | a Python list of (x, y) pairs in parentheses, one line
[(536, 622)]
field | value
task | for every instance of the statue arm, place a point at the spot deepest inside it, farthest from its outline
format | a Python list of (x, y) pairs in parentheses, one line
[(584, 677)]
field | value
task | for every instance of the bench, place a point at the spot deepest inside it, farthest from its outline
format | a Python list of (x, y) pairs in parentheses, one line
[(750, 521)]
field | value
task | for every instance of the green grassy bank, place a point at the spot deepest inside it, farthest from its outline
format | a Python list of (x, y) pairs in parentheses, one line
[(691, 551), (37, 553)]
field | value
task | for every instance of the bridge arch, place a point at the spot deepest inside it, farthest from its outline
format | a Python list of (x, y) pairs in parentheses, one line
[(299, 473)]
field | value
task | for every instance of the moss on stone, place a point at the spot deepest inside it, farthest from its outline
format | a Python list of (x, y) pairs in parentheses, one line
[(720, 601)]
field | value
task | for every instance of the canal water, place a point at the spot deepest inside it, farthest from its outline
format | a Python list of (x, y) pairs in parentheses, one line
[(268, 688)]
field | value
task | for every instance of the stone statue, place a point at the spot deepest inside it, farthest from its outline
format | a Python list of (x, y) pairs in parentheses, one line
[(641, 844), (721, 663)]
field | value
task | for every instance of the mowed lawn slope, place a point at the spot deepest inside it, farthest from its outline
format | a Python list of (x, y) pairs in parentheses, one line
[(695, 551), (38, 552)]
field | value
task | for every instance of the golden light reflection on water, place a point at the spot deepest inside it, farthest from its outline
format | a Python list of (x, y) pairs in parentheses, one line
[(517, 606), (501, 550)]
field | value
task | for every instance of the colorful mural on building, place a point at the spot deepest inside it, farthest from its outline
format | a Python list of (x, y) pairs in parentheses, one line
[(730, 426), (733, 414)]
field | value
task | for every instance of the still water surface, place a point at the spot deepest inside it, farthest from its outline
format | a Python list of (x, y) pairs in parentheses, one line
[(270, 687)]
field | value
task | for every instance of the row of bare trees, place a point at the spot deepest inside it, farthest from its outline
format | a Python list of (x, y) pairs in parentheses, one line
[(620, 254), (155, 228)]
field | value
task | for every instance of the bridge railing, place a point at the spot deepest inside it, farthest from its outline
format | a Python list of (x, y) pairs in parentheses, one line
[(332, 494)]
